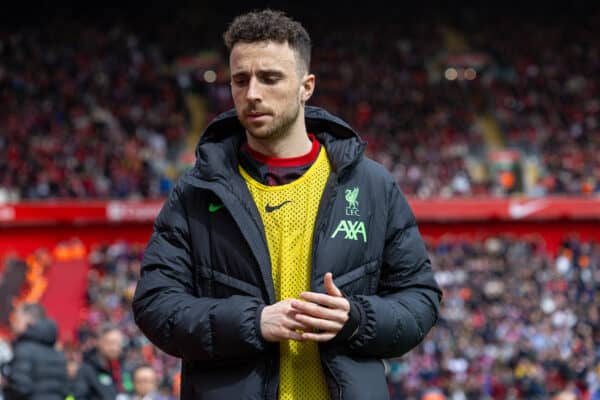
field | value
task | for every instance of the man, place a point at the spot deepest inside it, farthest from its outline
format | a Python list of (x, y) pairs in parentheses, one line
[(37, 370), (100, 376), (284, 265), (145, 383)]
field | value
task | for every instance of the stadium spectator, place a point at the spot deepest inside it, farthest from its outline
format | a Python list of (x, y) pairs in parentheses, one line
[(101, 375), (145, 384), (73, 356), (37, 370)]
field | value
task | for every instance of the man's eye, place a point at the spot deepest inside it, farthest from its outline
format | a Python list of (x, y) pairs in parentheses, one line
[(240, 82), (270, 80)]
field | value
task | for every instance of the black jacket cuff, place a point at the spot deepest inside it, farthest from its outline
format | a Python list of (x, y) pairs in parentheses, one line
[(351, 327)]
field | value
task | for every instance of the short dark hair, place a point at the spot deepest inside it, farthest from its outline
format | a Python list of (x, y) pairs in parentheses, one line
[(269, 25), (34, 310)]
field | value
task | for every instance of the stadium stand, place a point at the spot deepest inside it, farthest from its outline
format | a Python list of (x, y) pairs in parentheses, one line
[(110, 115), (94, 118), (516, 322)]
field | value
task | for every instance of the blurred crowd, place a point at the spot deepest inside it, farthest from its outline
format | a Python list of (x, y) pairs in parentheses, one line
[(546, 96), (108, 357), (434, 101), (114, 272), (420, 127), (106, 115), (94, 117), (517, 322)]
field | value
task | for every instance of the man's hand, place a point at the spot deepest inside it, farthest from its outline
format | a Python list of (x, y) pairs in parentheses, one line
[(322, 315), (278, 322)]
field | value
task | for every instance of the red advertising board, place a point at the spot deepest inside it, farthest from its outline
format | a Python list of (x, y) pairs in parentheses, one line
[(28, 225)]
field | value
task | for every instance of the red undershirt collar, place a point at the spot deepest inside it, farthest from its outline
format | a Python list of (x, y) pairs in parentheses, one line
[(287, 162)]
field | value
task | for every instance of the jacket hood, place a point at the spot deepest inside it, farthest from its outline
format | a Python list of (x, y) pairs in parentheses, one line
[(43, 331), (216, 151)]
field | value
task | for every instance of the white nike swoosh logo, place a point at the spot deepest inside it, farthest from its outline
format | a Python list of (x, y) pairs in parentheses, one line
[(518, 211)]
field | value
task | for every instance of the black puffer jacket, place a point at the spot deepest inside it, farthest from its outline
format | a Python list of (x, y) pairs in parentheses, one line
[(206, 276), (94, 379), (37, 371)]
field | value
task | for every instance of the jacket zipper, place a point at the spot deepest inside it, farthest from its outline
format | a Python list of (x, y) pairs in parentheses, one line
[(329, 195)]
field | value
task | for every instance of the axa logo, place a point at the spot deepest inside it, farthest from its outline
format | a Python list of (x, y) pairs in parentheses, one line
[(352, 199), (352, 230)]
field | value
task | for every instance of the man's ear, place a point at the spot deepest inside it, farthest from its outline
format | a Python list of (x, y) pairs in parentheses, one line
[(307, 87)]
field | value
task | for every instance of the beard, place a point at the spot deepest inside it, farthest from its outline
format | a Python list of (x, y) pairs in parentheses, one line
[(278, 127)]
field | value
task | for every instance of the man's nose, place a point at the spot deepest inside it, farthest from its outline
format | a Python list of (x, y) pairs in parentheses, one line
[(253, 93)]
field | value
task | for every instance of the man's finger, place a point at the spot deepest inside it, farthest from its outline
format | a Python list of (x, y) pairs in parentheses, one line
[(315, 310), (330, 287), (320, 324), (318, 337), (290, 334), (338, 303), (294, 324)]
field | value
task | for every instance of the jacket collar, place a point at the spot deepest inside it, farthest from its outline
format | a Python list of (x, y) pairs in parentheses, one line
[(217, 149)]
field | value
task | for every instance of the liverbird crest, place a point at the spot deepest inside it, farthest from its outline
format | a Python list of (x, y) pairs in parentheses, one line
[(352, 198)]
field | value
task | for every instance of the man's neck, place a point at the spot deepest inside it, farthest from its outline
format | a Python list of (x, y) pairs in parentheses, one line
[(292, 144)]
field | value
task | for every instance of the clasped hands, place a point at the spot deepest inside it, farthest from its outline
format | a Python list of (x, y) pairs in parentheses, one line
[(317, 317)]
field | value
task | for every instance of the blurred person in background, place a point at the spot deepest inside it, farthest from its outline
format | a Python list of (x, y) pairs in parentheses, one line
[(100, 376), (233, 280), (145, 383), (565, 395), (73, 357), (38, 370)]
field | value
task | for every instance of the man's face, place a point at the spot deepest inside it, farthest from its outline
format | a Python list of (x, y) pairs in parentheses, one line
[(110, 344), (145, 381), (268, 87), (19, 321)]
